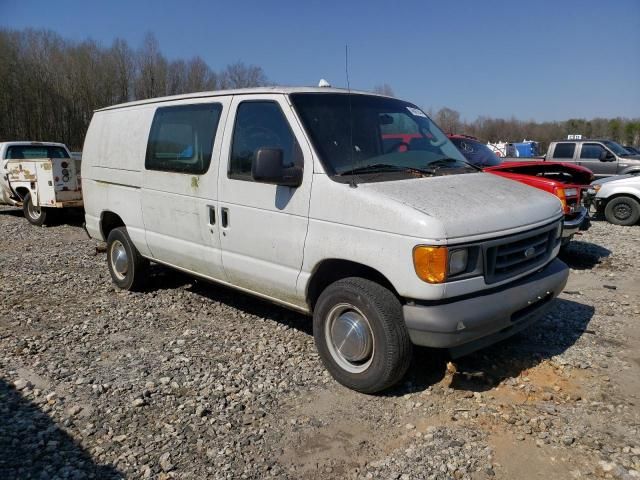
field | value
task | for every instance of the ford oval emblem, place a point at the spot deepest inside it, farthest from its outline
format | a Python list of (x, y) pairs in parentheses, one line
[(529, 252)]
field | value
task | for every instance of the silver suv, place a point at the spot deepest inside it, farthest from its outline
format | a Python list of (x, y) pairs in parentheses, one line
[(603, 157)]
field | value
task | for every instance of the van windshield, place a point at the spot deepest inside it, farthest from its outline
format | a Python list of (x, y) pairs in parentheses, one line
[(358, 134)]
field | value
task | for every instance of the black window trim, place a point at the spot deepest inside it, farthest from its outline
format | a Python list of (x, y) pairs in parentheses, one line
[(249, 178), (213, 140)]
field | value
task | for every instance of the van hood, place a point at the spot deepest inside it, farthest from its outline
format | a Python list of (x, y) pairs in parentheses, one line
[(472, 204)]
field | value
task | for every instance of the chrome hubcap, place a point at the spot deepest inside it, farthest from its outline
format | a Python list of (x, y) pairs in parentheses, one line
[(119, 259), (34, 212), (349, 338)]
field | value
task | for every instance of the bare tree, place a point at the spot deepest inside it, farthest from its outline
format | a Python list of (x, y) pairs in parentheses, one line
[(384, 89), (152, 69), (239, 75), (448, 120)]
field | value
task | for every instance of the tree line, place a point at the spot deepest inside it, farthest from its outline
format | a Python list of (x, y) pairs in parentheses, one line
[(50, 86)]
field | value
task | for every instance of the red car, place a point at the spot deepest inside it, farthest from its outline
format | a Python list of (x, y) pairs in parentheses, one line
[(564, 180)]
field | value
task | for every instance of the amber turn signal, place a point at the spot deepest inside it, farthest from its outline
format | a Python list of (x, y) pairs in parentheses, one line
[(431, 263)]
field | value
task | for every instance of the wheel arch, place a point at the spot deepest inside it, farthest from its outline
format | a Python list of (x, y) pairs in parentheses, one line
[(635, 196), (108, 221), (22, 192), (331, 270)]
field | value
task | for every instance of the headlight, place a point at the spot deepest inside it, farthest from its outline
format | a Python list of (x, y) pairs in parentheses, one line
[(430, 263), (597, 188), (458, 261), (570, 192), (434, 264)]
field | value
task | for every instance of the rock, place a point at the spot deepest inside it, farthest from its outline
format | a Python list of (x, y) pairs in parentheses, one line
[(21, 384), (165, 462), (138, 402)]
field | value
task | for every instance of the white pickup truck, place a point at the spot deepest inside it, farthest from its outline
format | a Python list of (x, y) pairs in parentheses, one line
[(38, 177)]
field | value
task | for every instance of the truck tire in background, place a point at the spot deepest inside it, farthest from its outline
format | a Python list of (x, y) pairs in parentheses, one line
[(622, 211), (34, 215), (360, 335)]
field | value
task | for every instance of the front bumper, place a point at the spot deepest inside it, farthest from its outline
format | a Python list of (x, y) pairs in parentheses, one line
[(579, 222), (471, 323)]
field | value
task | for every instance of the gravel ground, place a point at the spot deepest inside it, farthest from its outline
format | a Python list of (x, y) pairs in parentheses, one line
[(190, 380)]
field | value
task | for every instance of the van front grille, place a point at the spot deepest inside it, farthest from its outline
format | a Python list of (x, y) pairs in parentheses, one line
[(516, 254)]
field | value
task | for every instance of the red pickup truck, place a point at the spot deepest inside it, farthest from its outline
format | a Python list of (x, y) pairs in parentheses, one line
[(564, 180)]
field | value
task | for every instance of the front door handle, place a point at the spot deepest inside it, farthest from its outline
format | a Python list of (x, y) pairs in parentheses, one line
[(224, 217)]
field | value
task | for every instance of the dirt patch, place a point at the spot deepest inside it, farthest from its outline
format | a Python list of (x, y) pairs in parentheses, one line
[(518, 459)]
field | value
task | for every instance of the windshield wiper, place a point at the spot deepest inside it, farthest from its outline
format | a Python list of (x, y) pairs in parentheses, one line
[(374, 168), (446, 161)]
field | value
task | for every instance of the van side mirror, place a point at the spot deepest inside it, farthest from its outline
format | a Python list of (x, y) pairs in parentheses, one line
[(267, 167)]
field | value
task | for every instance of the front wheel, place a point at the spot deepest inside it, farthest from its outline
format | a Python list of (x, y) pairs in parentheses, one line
[(35, 215), (127, 267), (361, 336), (622, 211)]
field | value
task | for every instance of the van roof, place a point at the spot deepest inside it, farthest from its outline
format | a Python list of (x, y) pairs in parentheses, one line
[(240, 91)]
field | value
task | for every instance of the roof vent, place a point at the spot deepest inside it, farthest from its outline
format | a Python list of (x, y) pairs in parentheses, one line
[(323, 83)]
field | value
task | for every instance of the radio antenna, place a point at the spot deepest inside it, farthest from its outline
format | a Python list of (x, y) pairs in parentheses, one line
[(352, 184)]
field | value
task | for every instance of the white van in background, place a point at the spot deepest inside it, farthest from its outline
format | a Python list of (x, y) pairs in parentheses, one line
[(349, 206)]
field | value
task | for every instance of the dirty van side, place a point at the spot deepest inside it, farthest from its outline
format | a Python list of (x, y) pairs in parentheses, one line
[(293, 195)]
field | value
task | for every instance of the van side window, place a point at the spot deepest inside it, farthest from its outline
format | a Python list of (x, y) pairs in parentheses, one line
[(260, 124), (591, 150), (181, 138), (564, 150)]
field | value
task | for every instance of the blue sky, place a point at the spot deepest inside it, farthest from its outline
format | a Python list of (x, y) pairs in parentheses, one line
[(541, 60)]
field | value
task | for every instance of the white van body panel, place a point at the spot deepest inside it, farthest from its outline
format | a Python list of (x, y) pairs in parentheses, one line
[(385, 221), (263, 244), (113, 160)]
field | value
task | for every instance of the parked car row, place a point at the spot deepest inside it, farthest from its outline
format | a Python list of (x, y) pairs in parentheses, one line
[(563, 180), (351, 207)]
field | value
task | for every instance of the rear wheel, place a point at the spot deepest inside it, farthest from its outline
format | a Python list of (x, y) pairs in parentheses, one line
[(622, 211), (35, 215), (127, 267), (361, 336)]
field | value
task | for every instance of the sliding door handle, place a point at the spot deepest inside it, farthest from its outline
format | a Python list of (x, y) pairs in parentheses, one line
[(224, 217)]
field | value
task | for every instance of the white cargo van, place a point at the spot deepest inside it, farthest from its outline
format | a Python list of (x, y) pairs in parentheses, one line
[(349, 206)]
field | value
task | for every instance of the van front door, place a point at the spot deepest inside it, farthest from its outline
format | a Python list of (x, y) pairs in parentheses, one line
[(263, 227), (180, 186)]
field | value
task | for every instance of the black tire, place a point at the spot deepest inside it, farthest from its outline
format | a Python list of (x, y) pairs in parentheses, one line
[(622, 211), (390, 346), (34, 215), (128, 272)]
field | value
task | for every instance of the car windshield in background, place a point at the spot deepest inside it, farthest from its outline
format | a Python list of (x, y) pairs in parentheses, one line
[(477, 153), (357, 134), (617, 148), (25, 152)]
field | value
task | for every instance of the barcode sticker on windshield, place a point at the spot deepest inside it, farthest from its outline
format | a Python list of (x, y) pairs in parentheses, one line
[(416, 111)]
